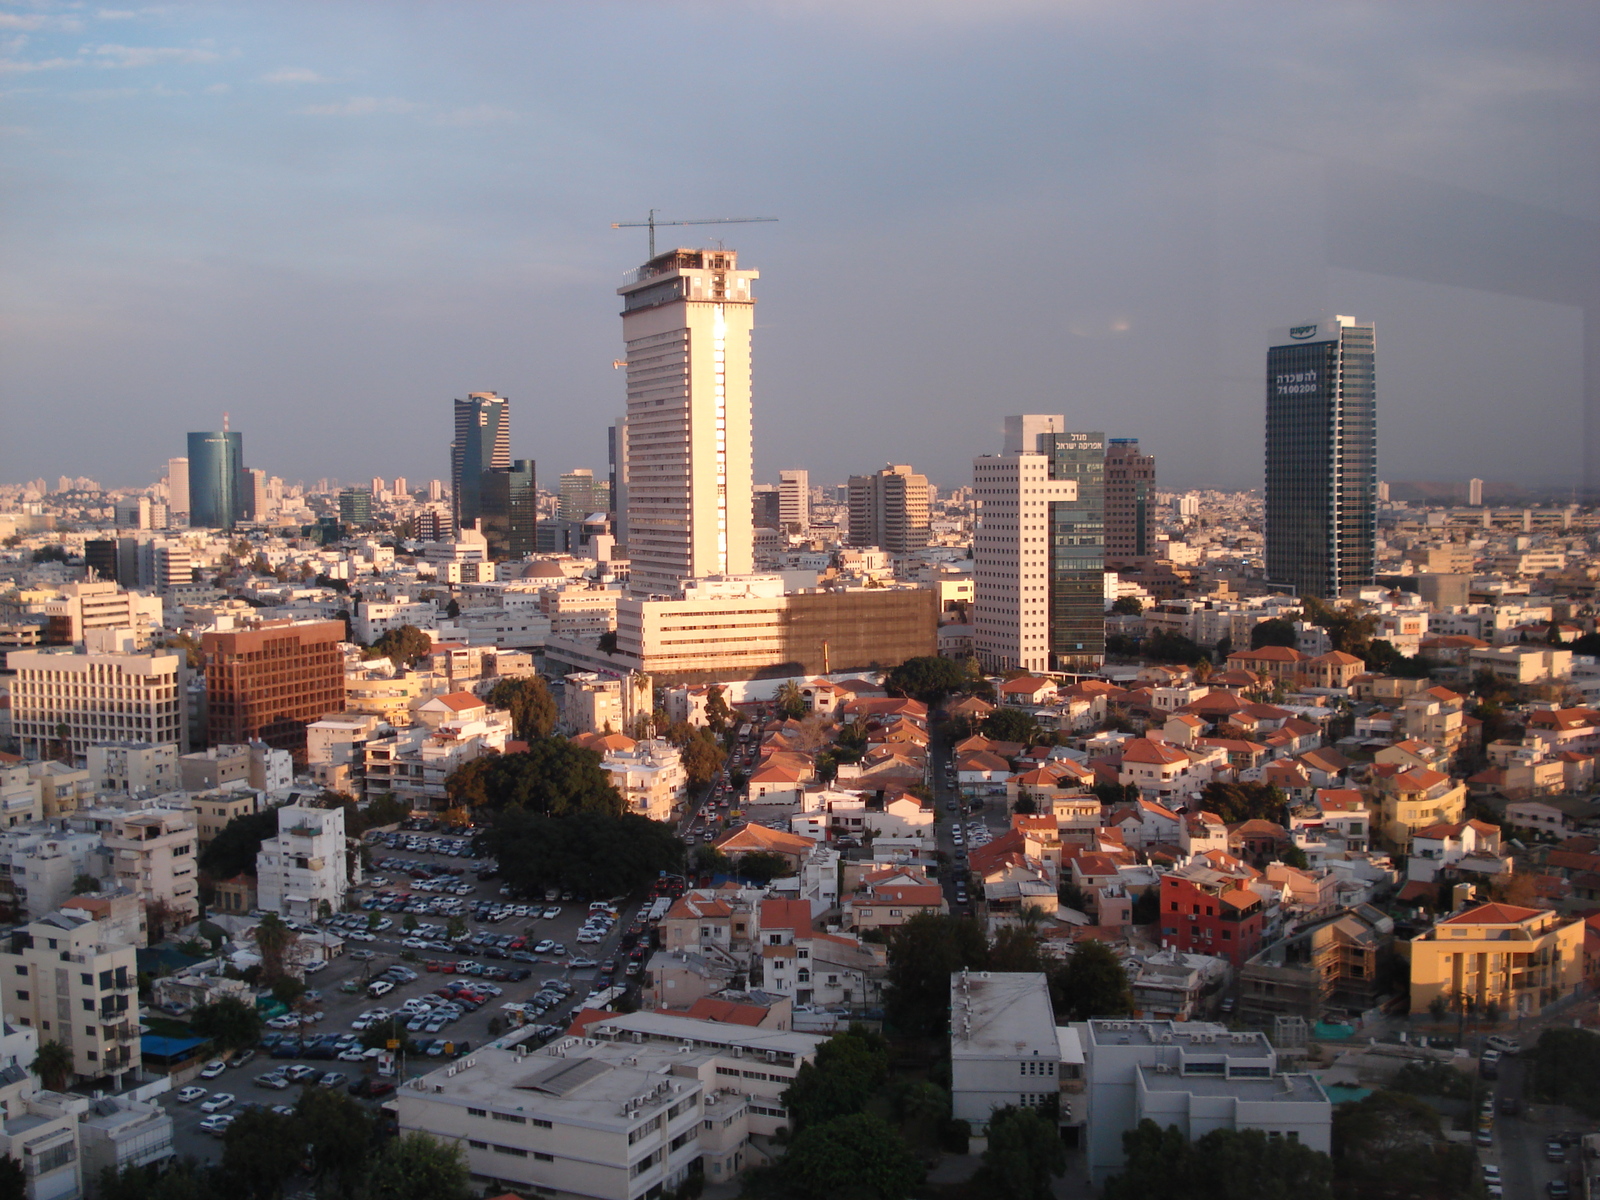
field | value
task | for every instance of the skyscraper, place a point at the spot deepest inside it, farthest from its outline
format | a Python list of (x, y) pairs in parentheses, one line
[(578, 494), (355, 506), (890, 510), (1130, 502), (1322, 457), (509, 510), (178, 489), (1078, 554), (686, 321), (794, 498), (216, 465), (482, 443)]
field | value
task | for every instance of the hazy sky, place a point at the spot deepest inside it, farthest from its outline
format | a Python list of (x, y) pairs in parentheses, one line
[(329, 218)]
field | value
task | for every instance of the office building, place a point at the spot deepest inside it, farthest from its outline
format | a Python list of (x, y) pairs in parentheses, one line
[(482, 443), (355, 506), (764, 506), (686, 321), (307, 866), (1474, 492), (1322, 457), (267, 682), (254, 504), (100, 559), (177, 490), (1077, 530), (72, 976), (1011, 547), (581, 495), (794, 500), (77, 610), (508, 510), (216, 470), (1196, 1076), (890, 510), (81, 699), (1130, 503)]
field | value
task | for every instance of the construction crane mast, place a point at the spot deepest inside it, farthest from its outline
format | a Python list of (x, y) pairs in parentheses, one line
[(651, 224)]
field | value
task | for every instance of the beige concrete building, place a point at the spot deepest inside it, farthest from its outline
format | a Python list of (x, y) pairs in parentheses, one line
[(1520, 959), (153, 855), (96, 697), (133, 766), (76, 609), (889, 510), (213, 811), (686, 322), (74, 979), (650, 776)]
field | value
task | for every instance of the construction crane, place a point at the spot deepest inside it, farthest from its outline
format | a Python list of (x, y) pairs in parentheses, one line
[(652, 223)]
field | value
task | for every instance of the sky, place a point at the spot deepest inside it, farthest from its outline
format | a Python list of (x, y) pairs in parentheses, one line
[(327, 219)]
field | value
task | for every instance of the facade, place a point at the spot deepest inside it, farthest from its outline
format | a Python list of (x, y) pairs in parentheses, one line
[(650, 776), (1003, 1044), (889, 510), (77, 610), (216, 470), (579, 495), (482, 443), (96, 697), (1011, 548), (508, 510), (794, 499), (1322, 457), (1078, 566), (1193, 1075), (1130, 502), (355, 506), (266, 683), (1331, 966), (686, 322), (1519, 959), (75, 980), (154, 856), (304, 868), (213, 811), (1206, 912), (133, 766)]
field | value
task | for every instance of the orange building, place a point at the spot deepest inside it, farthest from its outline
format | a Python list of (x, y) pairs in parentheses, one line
[(267, 682)]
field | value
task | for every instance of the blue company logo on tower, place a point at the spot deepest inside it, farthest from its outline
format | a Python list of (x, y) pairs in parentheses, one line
[(1301, 332)]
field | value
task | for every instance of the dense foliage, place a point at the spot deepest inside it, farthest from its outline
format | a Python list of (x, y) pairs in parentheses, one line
[(1235, 802), (856, 1156), (405, 646), (590, 853), (849, 1069), (929, 678), (230, 1023), (1010, 725), (1388, 1146), (1023, 1156), (1225, 1164), (553, 777), (234, 849), (1566, 1068), (528, 700)]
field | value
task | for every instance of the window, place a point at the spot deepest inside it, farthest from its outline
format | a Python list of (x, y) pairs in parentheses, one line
[(512, 1117), (542, 1157), (22, 995), (21, 970), (514, 1151), (88, 1005), (86, 979), (477, 1145), (477, 1112)]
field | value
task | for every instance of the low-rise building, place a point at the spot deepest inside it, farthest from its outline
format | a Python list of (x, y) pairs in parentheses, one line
[(308, 867), (1331, 966), (150, 767), (1004, 1046), (1520, 959), (650, 776)]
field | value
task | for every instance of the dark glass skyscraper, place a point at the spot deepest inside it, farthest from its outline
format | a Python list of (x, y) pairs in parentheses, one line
[(482, 443), (1322, 457), (216, 466), (509, 510), (1078, 553)]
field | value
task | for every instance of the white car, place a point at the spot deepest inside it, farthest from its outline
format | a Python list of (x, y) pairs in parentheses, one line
[(213, 1068), (353, 1055), (550, 914), (217, 1125), (217, 1103), (190, 1094)]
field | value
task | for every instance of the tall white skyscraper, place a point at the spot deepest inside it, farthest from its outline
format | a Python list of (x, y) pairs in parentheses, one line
[(686, 322), (794, 498), (1011, 549), (178, 487)]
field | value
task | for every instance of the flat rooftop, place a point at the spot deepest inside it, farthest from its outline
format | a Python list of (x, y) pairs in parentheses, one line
[(1001, 1014), (708, 1034), (1200, 1037), (1284, 1089)]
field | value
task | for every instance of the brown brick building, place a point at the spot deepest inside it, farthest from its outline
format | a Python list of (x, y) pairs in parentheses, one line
[(268, 682)]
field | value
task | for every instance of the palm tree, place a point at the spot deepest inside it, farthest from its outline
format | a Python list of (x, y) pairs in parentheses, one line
[(273, 939), (54, 1065), (790, 702)]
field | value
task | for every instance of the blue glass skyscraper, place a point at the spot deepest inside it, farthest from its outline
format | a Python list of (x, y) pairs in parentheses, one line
[(216, 464)]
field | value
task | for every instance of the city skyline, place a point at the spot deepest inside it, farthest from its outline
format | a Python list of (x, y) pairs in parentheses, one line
[(199, 191)]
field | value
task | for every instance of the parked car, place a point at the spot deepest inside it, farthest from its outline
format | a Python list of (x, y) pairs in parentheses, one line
[(213, 1068), (218, 1102), (190, 1094), (1505, 1045)]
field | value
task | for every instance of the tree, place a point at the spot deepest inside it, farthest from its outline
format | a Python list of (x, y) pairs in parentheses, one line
[(1024, 1154), (1010, 725), (719, 716), (1235, 802), (1349, 628), (762, 867), (929, 678), (1295, 857), (260, 1151), (273, 939), (229, 1022), (339, 1133), (404, 646), (84, 883), (791, 705), (417, 1167), (1274, 632), (233, 851), (1127, 606), (287, 990), (701, 760), (1147, 906), (591, 853), (54, 1065), (553, 777), (1566, 1068), (923, 954), (848, 1070), (1226, 1164), (708, 860), (13, 1179), (1091, 983), (528, 700), (1388, 1144), (857, 1155)]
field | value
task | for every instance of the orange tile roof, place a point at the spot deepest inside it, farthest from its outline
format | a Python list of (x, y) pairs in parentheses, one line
[(708, 1008), (1492, 914), (786, 914)]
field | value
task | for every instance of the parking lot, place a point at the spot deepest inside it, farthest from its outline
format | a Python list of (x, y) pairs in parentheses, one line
[(483, 965)]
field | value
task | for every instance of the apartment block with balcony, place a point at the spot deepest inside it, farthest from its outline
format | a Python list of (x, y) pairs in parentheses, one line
[(74, 978), (76, 700), (154, 855), (308, 866), (1331, 966), (650, 776), (150, 767), (1520, 959), (1413, 800)]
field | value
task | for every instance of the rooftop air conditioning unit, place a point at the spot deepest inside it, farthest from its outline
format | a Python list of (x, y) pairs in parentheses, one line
[(772, 1056), (637, 1037), (1165, 1037)]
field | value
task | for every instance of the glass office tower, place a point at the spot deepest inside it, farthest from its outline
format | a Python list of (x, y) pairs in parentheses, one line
[(509, 510), (1078, 554), (1322, 457), (216, 466), (482, 443)]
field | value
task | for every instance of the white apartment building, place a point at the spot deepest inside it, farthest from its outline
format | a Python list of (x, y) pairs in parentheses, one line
[(75, 980), (650, 777), (373, 619), (21, 799), (686, 322), (153, 855), (133, 766), (40, 1131), (794, 499), (336, 748), (1011, 548), (1004, 1048), (592, 703), (1195, 1075), (38, 866), (98, 697), (78, 608), (307, 865), (415, 762), (117, 1132)]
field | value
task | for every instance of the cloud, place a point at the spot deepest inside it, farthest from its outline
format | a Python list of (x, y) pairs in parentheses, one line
[(361, 106), (217, 89), (148, 56), (21, 21), (42, 64), (292, 75), (478, 114)]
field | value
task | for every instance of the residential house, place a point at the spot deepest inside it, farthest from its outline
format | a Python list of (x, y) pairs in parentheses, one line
[(1521, 959)]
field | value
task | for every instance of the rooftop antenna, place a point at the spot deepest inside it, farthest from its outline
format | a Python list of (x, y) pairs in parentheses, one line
[(650, 223), (224, 422)]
